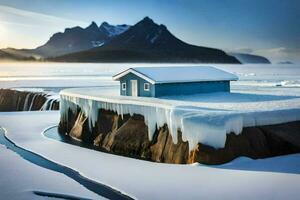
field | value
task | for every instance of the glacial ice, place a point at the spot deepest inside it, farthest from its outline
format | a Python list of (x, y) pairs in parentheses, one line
[(199, 122), (195, 124)]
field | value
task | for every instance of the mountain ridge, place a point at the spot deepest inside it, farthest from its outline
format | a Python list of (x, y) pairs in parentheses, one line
[(147, 41), (246, 58), (73, 39)]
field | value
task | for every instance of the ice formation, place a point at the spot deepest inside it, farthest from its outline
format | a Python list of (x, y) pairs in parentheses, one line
[(26, 101), (198, 124), (48, 105), (195, 123)]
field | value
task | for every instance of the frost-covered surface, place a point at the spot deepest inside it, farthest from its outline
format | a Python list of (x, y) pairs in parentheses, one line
[(171, 74), (54, 76), (204, 118), (272, 178), (19, 178), (263, 88)]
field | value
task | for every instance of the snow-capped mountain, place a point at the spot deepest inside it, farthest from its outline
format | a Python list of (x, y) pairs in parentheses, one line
[(147, 41), (112, 30), (77, 39)]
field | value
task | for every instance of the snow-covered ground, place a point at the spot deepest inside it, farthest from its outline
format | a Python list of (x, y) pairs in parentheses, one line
[(264, 94), (55, 76), (272, 178), (261, 87), (20, 178)]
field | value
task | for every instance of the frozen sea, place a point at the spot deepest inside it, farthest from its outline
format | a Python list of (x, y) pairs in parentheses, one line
[(272, 178), (56, 76)]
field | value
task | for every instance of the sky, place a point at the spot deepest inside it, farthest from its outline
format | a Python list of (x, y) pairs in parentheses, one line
[(269, 28)]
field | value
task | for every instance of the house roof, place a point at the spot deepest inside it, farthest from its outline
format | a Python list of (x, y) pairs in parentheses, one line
[(179, 74)]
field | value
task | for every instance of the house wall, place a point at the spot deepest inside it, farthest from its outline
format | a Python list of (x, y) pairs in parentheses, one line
[(141, 92), (167, 89)]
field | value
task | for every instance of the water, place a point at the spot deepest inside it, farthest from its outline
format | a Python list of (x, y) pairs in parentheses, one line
[(91, 185), (53, 134)]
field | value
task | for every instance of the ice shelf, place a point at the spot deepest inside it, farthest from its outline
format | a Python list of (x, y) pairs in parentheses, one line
[(199, 122)]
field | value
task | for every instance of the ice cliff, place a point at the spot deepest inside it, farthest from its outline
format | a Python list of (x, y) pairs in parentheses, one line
[(203, 125)]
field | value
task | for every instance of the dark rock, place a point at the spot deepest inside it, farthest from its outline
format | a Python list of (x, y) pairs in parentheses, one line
[(250, 58), (285, 63), (147, 41), (128, 136), (14, 100)]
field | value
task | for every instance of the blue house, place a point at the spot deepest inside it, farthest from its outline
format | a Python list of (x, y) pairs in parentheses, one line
[(167, 81)]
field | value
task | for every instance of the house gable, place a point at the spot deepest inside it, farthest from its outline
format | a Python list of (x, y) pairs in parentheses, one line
[(132, 71), (140, 83)]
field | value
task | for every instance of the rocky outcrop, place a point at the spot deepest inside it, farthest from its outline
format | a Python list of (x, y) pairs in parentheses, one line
[(128, 136), (14, 100), (250, 58)]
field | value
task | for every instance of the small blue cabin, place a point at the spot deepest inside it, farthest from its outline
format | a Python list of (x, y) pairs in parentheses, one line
[(168, 81)]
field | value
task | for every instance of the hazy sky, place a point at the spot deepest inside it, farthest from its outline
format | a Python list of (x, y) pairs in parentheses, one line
[(266, 27)]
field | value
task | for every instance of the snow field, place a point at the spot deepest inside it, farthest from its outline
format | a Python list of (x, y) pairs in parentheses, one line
[(272, 178)]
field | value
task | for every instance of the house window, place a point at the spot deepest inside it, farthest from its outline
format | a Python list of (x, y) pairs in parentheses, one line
[(123, 86), (146, 86)]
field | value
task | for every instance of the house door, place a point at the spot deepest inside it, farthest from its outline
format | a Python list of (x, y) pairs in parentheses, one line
[(134, 88)]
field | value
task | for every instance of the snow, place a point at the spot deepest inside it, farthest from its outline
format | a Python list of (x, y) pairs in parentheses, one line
[(288, 83), (179, 74), (255, 96), (55, 76), (205, 118), (154, 38), (19, 179), (272, 178), (115, 30), (97, 43)]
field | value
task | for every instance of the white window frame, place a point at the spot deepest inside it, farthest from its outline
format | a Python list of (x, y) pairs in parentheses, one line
[(123, 86), (147, 89)]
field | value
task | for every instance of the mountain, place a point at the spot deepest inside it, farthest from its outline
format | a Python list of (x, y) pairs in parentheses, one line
[(76, 39), (250, 58), (285, 63), (147, 41), (7, 56)]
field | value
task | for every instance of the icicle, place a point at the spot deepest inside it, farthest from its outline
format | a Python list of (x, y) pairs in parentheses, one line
[(45, 105), (51, 104), (196, 124), (26, 102), (32, 102)]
